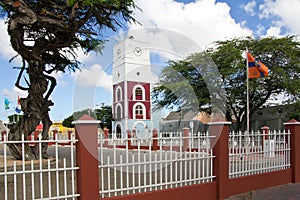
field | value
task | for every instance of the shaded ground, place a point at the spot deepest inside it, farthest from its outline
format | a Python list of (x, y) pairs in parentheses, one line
[(282, 192)]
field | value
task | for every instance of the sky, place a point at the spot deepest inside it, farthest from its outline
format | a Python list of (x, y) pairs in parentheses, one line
[(201, 22)]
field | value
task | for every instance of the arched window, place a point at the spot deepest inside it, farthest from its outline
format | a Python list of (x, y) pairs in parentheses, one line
[(139, 93), (118, 114), (118, 131), (139, 111), (118, 94)]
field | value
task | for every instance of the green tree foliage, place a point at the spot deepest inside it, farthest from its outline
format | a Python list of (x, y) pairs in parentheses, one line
[(46, 34), (14, 118), (294, 111), (67, 122), (190, 85), (76, 115), (281, 55), (104, 114)]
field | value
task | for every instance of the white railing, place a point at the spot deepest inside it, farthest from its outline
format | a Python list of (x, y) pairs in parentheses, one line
[(197, 140), (135, 165), (127, 171), (63, 138), (52, 178), (170, 138), (200, 139), (258, 152), (135, 141)]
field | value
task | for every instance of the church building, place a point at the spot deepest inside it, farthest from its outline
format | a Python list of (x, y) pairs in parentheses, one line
[(131, 88)]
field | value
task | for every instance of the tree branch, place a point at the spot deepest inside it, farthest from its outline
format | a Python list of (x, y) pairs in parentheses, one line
[(24, 15), (17, 84), (261, 102), (52, 86)]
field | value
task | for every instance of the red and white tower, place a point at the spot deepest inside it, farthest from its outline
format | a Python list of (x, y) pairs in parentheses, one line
[(131, 88)]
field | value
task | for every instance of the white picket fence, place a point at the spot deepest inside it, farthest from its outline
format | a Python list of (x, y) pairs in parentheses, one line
[(175, 161), (258, 152), (53, 178), (196, 141), (126, 171)]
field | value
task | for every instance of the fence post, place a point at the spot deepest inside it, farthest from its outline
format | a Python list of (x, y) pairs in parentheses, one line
[(294, 127), (2, 135), (220, 130), (133, 133), (106, 133), (55, 134), (155, 139), (87, 157), (265, 132), (129, 139), (186, 139), (69, 136), (265, 137)]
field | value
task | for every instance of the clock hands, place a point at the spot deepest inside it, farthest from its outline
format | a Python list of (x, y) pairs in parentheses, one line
[(137, 51)]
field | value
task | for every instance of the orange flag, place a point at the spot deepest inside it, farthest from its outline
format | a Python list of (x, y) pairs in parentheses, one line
[(256, 69)]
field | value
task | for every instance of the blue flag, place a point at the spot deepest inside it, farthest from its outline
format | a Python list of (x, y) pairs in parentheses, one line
[(6, 103)]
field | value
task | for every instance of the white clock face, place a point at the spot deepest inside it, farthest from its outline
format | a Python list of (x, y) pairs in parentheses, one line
[(137, 51)]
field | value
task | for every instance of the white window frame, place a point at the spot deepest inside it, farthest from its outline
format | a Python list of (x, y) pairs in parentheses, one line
[(143, 110), (121, 94), (143, 92), (116, 111)]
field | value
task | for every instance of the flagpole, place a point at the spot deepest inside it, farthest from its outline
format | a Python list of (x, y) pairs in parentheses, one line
[(248, 103), (260, 70), (248, 100), (5, 125)]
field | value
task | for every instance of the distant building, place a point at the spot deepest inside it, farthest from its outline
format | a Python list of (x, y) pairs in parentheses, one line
[(2, 127), (274, 117), (176, 120), (57, 125)]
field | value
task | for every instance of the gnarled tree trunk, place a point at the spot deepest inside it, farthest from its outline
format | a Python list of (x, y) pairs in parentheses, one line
[(35, 108)]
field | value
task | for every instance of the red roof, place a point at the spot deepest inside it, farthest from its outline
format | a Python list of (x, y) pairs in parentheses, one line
[(39, 127)]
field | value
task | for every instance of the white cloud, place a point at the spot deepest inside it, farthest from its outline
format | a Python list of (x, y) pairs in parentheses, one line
[(94, 76), (60, 79), (265, 9), (260, 29), (13, 94), (249, 8), (283, 12), (204, 21), (273, 31), (8, 51)]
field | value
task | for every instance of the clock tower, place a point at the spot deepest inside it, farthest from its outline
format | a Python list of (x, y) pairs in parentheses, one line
[(131, 88)]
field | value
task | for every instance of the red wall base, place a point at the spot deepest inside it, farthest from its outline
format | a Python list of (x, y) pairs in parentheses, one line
[(205, 191), (259, 181)]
